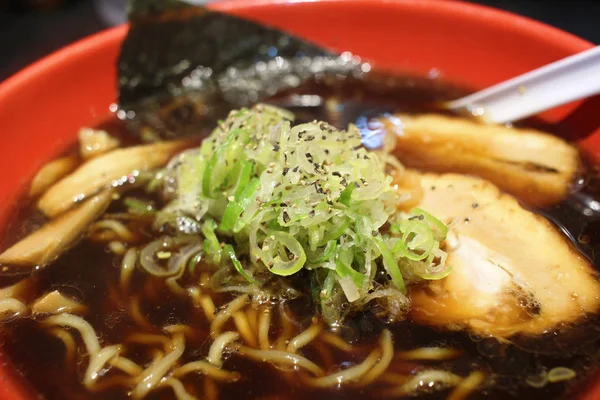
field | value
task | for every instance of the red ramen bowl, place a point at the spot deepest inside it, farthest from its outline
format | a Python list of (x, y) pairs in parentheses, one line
[(42, 107)]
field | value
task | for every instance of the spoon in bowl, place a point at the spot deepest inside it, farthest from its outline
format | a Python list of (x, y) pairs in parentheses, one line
[(563, 81)]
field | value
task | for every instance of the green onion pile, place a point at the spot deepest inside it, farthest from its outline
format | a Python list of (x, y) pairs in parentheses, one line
[(271, 199)]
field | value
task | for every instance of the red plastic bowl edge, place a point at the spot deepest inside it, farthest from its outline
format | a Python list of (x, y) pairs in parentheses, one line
[(11, 386)]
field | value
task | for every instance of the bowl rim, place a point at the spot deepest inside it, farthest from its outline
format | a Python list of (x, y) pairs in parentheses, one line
[(530, 25), (15, 386)]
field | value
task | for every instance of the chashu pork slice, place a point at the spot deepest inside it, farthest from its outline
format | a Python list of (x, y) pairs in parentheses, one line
[(535, 166), (512, 271)]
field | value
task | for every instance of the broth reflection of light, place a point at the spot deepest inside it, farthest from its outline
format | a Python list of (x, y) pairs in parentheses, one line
[(372, 132)]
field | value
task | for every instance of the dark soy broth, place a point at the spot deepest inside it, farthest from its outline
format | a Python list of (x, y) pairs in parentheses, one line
[(90, 273)]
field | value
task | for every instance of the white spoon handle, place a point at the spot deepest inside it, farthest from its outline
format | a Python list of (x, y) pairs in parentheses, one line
[(561, 82)]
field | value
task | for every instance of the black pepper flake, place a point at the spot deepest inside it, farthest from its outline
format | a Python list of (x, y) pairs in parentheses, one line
[(295, 168), (323, 137), (475, 205), (326, 151), (311, 213), (285, 171), (344, 182), (309, 138), (433, 187), (276, 147), (374, 233), (357, 147), (467, 219), (335, 173), (317, 188), (419, 217), (366, 157)]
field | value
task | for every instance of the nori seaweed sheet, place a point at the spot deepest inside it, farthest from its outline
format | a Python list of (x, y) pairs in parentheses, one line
[(181, 66)]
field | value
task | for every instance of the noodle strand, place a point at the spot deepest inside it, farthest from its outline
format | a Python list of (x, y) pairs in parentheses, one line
[(12, 308), (431, 379), (467, 386), (304, 338), (226, 313), (281, 358), (243, 327), (264, 325), (87, 332), (387, 349), (351, 374), (127, 267), (156, 371), (98, 361), (215, 353), (178, 388), (205, 368)]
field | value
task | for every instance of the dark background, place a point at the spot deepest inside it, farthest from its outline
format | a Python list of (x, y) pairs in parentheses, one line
[(27, 35)]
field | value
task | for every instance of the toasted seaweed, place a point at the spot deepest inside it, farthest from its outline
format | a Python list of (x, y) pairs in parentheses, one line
[(181, 65)]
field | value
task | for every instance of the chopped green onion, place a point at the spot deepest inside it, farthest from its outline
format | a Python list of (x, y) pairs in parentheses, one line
[(390, 264), (436, 223), (136, 206), (235, 208), (417, 241), (347, 194), (559, 374), (245, 175), (238, 265), (338, 230), (212, 247), (345, 270), (279, 198), (193, 263), (209, 184), (278, 260), (325, 254), (329, 308)]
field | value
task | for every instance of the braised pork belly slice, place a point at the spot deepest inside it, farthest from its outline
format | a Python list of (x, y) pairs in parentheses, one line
[(535, 166), (512, 270)]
